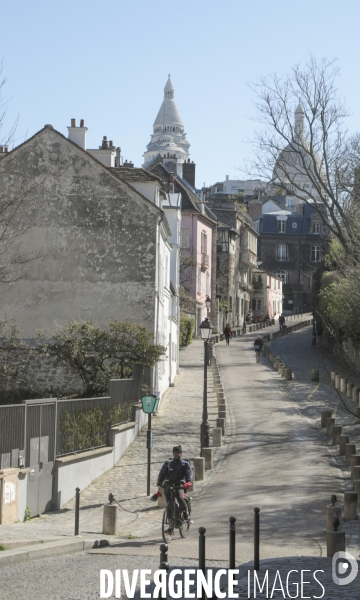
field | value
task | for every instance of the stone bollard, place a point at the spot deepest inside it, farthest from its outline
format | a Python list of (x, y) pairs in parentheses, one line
[(351, 506), (357, 415), (349, 450), (217, 437), (356, 485), (332, 376), (335, 542), (343, 440), (349, 390), (355, 396), (208, 456), (343, 383), (199, 464), (110, 519), (325, 414), (222, 414), (288, 374), (194, 476), (355, 461), (161, 501), (331, 512), (314, 374), (337, 429), (329, 430), (337, 382), (221, 423), (355, 472)]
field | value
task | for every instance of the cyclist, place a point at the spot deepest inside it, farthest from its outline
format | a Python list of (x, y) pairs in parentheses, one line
[(178, 471), (258, 345)]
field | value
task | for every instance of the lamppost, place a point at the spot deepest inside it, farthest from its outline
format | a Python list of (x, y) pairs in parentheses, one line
[(208, 304), (205, 330)]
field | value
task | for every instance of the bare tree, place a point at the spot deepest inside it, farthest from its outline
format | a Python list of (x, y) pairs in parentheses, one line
[(313, 154)]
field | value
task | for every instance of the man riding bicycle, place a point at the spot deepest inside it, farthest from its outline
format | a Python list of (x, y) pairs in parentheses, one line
[(176, 471)]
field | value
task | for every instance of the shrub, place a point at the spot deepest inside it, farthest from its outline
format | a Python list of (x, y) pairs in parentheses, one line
[(187, 327)]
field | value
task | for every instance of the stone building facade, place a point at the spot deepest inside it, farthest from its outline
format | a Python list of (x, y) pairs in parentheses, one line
[(97, 237)]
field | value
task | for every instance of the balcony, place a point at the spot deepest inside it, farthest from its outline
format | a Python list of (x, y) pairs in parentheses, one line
[(204, 261), (248, 257)]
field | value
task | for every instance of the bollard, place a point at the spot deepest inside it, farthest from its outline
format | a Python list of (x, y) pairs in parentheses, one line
[(221, 423), (256, 539), (349, 390), (165, 567), (356, 485), (351, 506), (217, 437), (349, 450), (163, 553), (325, 414), (329, 427), (331, 512), (337, 429), (202, 532), (343, 440), (199, 464), (355, 396), (335, 542), (355, 462), (314, 374), (332, 376), (77, 511), (222, 414), (232, 543), (161, 501), (287, 374), (357, 415), (343, 383), (110, 519), (355, 472), (337, 382), (208, 457)]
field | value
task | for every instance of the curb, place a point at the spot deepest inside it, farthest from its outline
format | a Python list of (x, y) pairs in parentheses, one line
[(48, 549)]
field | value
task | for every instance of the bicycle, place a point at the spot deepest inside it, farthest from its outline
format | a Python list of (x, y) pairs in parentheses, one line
[(173, 517), (257, 353)]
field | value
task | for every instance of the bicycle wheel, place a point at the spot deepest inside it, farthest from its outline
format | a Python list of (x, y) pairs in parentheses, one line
[(184, 528), (167, 528)]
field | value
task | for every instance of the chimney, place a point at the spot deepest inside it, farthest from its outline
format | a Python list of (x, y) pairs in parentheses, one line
[(118, 157), (189, 172), (105, 153), (78, 134), (171, 184)]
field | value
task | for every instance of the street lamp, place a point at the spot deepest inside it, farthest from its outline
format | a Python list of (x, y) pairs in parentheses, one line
[(205, 330), (208, 303)]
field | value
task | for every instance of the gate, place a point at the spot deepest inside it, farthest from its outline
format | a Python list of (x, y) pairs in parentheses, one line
[(40, 418)]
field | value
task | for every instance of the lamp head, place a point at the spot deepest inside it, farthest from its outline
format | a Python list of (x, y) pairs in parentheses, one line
[(206, 329)]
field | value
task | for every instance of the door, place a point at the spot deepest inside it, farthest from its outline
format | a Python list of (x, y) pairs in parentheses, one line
[(40, 455)]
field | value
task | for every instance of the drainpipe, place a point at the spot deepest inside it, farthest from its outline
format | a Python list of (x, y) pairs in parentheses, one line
[(157, 295)]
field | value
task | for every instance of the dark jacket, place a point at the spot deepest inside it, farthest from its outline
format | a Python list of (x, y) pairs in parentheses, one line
[(175, 471), (258, 344)]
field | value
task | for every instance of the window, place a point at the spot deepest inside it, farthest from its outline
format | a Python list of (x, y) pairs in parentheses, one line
[(199, 281), (230, 302), (316, 227), (315, 253), (284, 276), (281, 252), (207, 289), (223, 241), (184, 238), (203, 243), (281, 226), (242, 306), (258, 304)]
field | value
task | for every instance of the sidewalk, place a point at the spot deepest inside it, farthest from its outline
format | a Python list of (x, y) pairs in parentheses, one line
[(177, 421)]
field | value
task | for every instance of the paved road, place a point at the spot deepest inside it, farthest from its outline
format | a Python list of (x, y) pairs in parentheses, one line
[(276, 459)]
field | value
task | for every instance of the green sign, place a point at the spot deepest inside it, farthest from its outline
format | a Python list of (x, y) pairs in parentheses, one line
[(149, 404)]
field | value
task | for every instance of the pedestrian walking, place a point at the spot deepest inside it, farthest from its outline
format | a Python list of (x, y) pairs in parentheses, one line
[(281, 321), (227, 333), (258, 345)]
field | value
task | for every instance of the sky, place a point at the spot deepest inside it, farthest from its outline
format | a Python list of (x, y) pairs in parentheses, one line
[(108, 62)]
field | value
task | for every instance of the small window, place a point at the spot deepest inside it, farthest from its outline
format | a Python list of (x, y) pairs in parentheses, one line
[(316, 227), (281, 252), (184, 238), (294, 225), (284, 276), (315, 253), (281, 226), (199, 281)]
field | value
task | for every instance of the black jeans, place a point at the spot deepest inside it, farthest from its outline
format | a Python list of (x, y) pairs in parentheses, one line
[(179, 495), (227, 338)]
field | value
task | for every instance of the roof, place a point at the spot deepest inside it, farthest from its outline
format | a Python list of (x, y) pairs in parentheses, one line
[(134, 174), (296, 224)]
